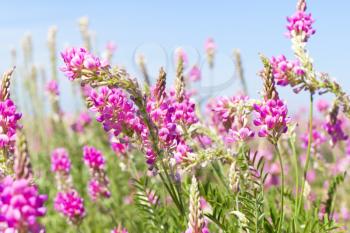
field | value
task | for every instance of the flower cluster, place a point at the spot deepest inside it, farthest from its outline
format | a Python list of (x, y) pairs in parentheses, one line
[(98, 185), (81, 122), (52, 87), (20, 205), (172, 118), (60, 162), (271, 117), (300, 24), (8, 122), (67, 201), (76, 60), (318, 138), (334, 129), (283, 70), (71, 205), (231, 117), (195, 74), (118, 114)]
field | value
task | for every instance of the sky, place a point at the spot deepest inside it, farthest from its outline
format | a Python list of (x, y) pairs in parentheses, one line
[(155, 28)]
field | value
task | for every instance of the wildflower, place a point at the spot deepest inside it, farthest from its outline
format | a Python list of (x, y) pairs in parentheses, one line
[(52, 87), (333, 126), (318, 138), (195, 74), (271, 117), (196, 221), (8, 122), (300, 25), (284, 70), (70, 205), (98, 185), (21, 205), (322, 105), (181, 57), (81, 123), (210, 49), (76, 60), (60, 161)]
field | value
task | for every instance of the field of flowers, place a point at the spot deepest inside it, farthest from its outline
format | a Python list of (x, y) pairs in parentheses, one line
[(143, 157)]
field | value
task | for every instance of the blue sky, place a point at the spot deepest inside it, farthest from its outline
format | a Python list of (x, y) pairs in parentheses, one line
[(149, 26)]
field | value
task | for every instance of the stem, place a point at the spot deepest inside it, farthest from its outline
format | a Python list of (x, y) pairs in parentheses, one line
[(296, 168), (282, 189), (308, 152)]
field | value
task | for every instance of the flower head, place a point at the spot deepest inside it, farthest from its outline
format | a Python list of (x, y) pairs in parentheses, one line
[(60, 161), (52, 87), (271, 117), (283, 70), (71, 205), (300, 25), (78, 59), (20, 205), (93, 158)]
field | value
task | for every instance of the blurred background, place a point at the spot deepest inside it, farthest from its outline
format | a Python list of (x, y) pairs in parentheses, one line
[(156, 28)]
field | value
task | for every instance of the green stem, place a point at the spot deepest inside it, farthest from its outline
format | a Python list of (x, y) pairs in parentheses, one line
[(296, 169), (308, 152), (282, 189)]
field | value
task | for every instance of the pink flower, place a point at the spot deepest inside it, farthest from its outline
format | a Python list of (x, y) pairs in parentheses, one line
[(318, 138), (300, 24), (210, 46), (98, 189), (20, 205), (81, 123), (322, 105), (111, 47), (77, 59), (282, 69), (52, 87), (70, 205), (195, 74), (271, 117), (334, 129), (93, 158), (60, 161), (8, 124), (180, 54)]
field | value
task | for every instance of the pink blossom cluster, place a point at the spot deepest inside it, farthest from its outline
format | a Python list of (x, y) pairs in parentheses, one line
[(171, 117), (119, 145), (210, 46), (231, 118), (335, 130), (181, 55), (300, 24), (60, 161), (118, 114), (318, 138), (98, 185), (71, 205), (195, 74), (52, 87), (81, 122), (20, 206), (78, 59), (282, 69), (271, 117), (8, 121)]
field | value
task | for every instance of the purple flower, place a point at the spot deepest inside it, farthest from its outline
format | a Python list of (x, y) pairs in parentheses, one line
[(71, 205), (195, 74), (282, 69), (52, 87), (98, 189), (20, 205), (300, 24), (60, 161), (77, 59), (271, 117), (8, 121), (334, 129), (93, 158)]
